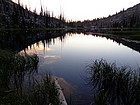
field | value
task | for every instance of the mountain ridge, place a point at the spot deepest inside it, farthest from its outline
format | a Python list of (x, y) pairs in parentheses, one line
[(13, 15), (129, 18), (125, 18)]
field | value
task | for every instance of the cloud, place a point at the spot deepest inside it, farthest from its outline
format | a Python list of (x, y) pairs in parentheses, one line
[(49, 62), (52, 56)]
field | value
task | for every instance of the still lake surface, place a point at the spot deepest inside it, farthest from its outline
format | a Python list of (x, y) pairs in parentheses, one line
[(68, 57)]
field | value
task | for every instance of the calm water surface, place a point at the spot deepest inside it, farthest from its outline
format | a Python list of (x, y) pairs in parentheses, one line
[(68, 57)]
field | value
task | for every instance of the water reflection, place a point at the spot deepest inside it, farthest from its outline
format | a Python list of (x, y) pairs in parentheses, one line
[(68, 57), (20, 39)]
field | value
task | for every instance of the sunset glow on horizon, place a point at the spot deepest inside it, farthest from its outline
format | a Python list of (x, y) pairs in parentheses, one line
[(80, 9)]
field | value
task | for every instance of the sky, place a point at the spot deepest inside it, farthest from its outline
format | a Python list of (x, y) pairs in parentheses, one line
[(81, 9)]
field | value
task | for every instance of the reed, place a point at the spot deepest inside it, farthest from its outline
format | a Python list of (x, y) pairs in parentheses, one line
[(19, 84), (114, 85), (44, 92)]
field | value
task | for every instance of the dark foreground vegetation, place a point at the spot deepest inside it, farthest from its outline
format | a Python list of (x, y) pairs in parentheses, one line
[(114, 85), (20, 86)]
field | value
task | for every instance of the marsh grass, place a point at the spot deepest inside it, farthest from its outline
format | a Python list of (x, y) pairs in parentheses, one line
[(44, 92), (16, 89), (132, 34), (114, 85)]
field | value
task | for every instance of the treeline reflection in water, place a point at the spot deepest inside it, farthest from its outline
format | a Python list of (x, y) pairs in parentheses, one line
[(23, 40), (18, 40)]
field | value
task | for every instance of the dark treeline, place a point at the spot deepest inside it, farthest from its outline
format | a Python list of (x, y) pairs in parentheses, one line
[(129, 18), (13, 15)]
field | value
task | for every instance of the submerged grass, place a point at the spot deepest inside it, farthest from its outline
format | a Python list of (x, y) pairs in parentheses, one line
[(114, 85), (19, 85)]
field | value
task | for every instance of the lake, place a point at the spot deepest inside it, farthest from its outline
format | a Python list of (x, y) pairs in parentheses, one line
[(69, 56)]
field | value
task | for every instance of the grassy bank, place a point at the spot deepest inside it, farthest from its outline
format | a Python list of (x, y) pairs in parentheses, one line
[(20, 86), (113, 85), (132, 34)]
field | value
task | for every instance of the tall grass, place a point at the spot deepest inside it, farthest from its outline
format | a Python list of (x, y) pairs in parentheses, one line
[(114, 85), (44, 92), (20, 86)]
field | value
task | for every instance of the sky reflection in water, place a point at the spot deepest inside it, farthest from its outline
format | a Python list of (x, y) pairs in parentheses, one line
[(68, 59)]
